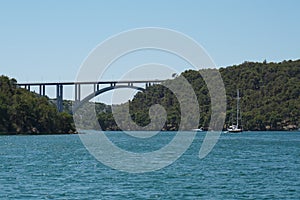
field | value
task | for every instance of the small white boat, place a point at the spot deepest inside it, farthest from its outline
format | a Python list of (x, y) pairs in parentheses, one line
[(198, 129), (236, 128)]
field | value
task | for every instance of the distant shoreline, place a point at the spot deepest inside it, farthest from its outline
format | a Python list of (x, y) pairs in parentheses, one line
[(76, 133)]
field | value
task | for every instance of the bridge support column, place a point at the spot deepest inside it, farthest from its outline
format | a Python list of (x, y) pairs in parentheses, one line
[(42, 90), (95, 88), (77, 93), (59, 97), (148, 84)]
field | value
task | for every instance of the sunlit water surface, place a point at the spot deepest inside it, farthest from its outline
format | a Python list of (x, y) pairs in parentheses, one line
[(251, 165)]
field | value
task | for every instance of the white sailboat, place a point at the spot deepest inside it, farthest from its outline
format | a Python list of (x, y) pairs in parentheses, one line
[(198, 129), (236, 128)]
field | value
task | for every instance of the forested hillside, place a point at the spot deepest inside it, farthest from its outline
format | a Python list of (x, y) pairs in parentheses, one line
[(270, 98), (270, 94), (25, 112)]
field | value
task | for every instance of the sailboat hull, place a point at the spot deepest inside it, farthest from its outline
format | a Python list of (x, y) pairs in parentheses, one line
[(235, 130)]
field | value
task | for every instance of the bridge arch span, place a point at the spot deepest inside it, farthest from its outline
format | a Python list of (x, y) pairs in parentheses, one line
[(98, 92)]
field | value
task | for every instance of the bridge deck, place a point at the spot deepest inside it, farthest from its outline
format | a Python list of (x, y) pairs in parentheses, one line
[(90, 82)]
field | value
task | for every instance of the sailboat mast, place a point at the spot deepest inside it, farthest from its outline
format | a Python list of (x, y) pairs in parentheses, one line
[(237, 107)]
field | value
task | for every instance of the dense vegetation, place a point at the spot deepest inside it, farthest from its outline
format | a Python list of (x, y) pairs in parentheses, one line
[(270, 94), (270, 98), (25, 112)]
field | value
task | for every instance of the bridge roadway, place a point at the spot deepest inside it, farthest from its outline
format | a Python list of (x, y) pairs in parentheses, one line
[(97, 90)]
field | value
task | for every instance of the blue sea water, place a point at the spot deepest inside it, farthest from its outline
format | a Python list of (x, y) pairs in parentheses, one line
[(251, 165)]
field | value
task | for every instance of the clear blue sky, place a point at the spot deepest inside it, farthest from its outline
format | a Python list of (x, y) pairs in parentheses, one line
[(48, 40)]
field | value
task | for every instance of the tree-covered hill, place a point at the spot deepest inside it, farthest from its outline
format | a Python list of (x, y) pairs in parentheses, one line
[(270, 98), (270, 94), (24, 112)]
